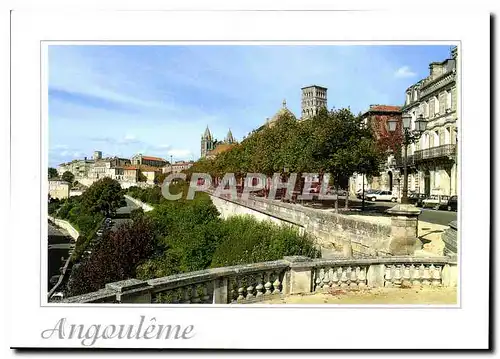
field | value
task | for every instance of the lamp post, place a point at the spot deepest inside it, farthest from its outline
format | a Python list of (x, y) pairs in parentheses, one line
[(171, 165), (409, 136)]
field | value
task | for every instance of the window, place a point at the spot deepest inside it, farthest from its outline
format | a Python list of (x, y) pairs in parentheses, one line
[(448, 100), (436, 138), (436, 106), (447, 135), (407, 98)]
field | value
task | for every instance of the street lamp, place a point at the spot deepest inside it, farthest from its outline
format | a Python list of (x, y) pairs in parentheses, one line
[(409, 136)]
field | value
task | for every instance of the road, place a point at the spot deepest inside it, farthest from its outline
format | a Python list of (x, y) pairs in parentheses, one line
[(441, 217), (123, 214)]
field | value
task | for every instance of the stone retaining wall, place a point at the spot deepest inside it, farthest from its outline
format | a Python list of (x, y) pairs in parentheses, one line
[(144, 206), (331, 230), (65, 225)]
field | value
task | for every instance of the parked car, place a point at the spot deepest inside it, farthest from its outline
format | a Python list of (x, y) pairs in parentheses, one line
[(57, 296), (340, 192), (417, 198), (435, 201), (452, 203), (100, 232), (381, 196), (359, 193)]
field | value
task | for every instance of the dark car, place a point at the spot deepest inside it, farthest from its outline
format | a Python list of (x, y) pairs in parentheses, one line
[(416, 199), (452, 203)]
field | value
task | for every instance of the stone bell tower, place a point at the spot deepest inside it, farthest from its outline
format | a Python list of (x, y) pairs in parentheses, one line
[(313, 98), (206, 142)]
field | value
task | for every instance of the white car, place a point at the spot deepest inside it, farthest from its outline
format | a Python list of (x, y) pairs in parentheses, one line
[(381, 196), (435, 201)]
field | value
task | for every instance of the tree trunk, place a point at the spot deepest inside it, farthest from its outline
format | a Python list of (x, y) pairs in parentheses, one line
[(347, 195), (337, 198)]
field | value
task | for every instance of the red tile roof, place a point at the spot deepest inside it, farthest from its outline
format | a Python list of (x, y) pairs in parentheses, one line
[(384, 108), (149, 158)]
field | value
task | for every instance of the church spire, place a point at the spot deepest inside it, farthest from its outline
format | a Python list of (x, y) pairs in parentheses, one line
[(229, 137), (207, 135)]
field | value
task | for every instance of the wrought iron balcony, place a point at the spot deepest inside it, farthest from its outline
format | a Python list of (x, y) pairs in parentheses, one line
[(400, 162), (435, 152)]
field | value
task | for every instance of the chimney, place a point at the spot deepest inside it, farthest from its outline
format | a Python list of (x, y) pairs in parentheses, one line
[(436, 69)]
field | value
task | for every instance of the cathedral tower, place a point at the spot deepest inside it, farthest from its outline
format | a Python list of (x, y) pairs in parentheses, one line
[(206, 142), (313, 98)]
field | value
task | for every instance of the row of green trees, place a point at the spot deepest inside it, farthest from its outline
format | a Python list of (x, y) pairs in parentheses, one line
[(335, 142)]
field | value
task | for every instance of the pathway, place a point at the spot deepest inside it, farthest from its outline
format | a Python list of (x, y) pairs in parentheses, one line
[(419, 296)]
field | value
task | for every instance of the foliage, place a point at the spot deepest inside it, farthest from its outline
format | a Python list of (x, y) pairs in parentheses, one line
[(246, 240), (68, 177), (54, 205), (52, 173), (160, 177), (141, 177), (104, 196), (333, 142), (190, 236), (114, 258)]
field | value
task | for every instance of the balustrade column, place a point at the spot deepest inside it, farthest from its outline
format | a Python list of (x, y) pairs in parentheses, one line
[(221, 293), (301, 275)]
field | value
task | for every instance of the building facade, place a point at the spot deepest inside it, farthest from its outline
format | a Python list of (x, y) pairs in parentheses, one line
[(177, 167), (432, 159), (140, 159), (79, 168), (59, 189), (377, 117)]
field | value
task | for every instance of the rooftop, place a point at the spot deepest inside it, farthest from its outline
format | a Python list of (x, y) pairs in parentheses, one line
[(383, 108), (321, 87)]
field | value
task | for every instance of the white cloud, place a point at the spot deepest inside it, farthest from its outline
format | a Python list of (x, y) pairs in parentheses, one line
[(404, 71)]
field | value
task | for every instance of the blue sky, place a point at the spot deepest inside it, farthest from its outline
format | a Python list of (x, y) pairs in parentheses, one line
[(158, 100)]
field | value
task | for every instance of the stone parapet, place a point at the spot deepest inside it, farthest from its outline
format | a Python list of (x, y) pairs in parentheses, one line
[(331, 230), (293, 275)]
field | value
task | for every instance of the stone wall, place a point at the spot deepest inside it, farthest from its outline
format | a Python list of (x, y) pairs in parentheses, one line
[(144, 206), (65, 225), (331, 230)]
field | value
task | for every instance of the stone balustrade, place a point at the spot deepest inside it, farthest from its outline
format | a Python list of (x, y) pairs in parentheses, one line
[(251, 283)]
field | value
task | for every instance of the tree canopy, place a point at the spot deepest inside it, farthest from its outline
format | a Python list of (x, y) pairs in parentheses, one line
[(104, 196), (68, 177), (52, 172), (335, 142)]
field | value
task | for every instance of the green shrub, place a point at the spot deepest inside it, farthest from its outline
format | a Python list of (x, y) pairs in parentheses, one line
[(249, 241)]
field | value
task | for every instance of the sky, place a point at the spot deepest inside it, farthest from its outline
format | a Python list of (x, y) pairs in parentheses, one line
[(158, 99)]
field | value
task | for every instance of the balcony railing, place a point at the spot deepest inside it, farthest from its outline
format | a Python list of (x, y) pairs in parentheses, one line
[(435, 152)]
